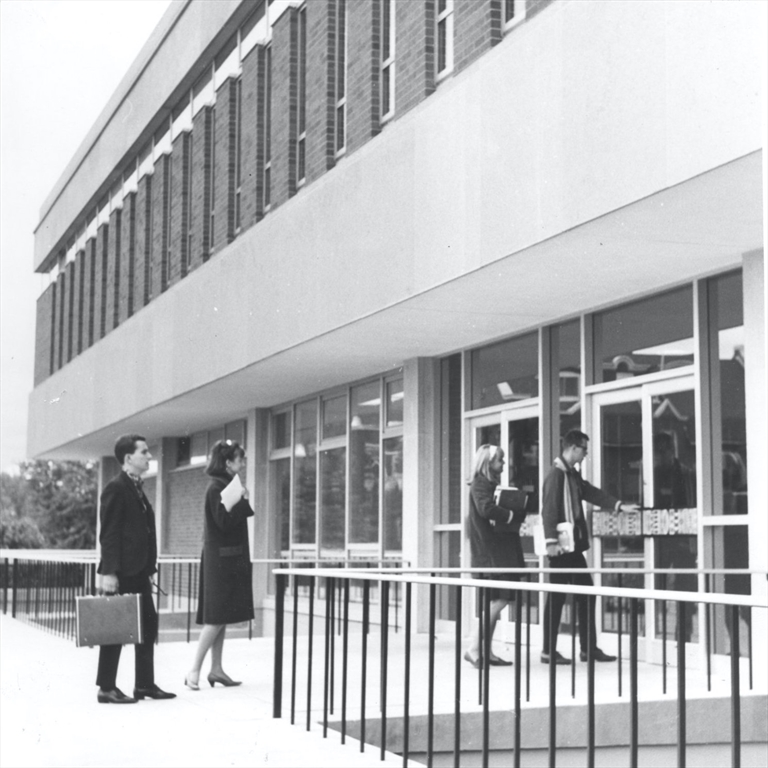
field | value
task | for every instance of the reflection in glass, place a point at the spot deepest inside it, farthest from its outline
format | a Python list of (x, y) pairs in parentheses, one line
[(646, 336), (393, 494), (450, 440), (448, 548), (395, 403), (281, 430), (622, 476), (334, 417), (305, 481), (674, 487), (523, 458), (333, 497), (505, 372), (729, 547), (281, 502), (569, 367), (733, 423), (364, 464), (622, 451)]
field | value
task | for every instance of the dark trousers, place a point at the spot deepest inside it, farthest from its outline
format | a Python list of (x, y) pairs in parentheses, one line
[(555, 601), (109, 655)]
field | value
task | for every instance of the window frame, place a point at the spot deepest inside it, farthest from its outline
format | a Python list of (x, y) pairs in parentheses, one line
[(387, 64), (446, 17)]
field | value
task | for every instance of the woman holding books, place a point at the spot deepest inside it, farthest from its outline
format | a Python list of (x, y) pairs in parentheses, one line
[(494, 541), (225, 595)]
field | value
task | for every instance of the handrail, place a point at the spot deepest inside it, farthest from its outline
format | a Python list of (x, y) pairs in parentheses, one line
[(535, 570), (718, 598)]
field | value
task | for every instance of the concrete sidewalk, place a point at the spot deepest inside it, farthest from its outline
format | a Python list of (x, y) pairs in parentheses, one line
[(49, 715)]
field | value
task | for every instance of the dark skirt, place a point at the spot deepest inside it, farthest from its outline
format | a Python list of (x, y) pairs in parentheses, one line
[(226, 594), (508, 553)]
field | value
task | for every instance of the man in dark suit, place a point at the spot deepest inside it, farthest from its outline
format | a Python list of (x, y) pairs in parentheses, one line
[(128, 559)]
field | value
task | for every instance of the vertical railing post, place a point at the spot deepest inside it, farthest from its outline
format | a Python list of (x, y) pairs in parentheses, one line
[(327, 653), (384, 647), (15, 576), (6, 584), (294, 646), (364, 660), (486, 656), (457, 685), (189, 601), (407, 681), (633, 721), (344, 662), (552, 682), (681, 726), (277, 691), (312, 582), (518, 673), (735, 689), (591, 607), (431, 681)]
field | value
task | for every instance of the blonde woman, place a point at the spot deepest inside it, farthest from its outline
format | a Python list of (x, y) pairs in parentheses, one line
[(490, 548)]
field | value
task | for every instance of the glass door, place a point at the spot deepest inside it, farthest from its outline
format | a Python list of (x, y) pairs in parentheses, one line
[(645, 452)]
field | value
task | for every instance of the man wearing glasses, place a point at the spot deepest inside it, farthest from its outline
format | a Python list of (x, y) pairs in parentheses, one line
[(562, 512)]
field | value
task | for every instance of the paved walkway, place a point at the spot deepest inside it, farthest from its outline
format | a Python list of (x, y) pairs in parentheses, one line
[(49, 715)]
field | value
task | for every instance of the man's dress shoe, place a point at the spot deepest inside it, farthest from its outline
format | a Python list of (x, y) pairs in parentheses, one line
[(115, 696), (558, 658), (597, 655), (153, 692)]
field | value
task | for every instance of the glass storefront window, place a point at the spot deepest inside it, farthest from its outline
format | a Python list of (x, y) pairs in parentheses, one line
[(395, 403), (305, 472), (729, 548), (281, 430), (569, 369), (281, 502), (236, 431), (505, 372), (199, 448), (654, 334), (393, 494), (364, 464), (334, 417), (333, 494), (727, 292), (449, 508)]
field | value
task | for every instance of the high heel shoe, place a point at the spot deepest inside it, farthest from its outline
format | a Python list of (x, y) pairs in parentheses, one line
[(192, 686), (224, 680)]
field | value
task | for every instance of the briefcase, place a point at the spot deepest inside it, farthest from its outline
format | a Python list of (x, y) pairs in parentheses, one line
[(109, 620)]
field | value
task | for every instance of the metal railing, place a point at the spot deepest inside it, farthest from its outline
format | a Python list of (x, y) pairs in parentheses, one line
[(337, 585), (41, 586)]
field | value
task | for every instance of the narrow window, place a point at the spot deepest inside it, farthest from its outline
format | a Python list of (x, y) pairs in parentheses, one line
[(387, 59), (444, 37), (301, 127), (341, 77), (187, 256), (238, 152), (514, 13), (212, 185), (267, 129)]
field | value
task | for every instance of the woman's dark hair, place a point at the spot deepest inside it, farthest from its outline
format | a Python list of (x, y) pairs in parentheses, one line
[(222, 452)]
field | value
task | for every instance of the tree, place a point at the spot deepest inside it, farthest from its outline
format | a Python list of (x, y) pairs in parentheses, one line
[(56, 498)]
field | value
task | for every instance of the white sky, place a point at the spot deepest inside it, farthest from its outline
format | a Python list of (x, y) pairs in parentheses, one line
[(60, 61)]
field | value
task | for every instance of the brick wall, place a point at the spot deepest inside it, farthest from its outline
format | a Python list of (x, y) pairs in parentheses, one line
[(477, 25), (179, 207), (77, 303), (321, 88), (415, 53), (224, 168), (44, 323), (114, 253), (363, 75), (252, 142), (89, 274), (160, 223), (201, 186), (284, 105), (66, 328), (142, 270), (127, 258), (183, 514)]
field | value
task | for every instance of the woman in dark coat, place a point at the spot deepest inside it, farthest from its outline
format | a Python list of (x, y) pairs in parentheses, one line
[(491, 548), (225, 595)]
